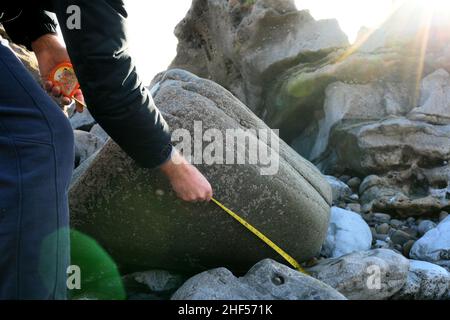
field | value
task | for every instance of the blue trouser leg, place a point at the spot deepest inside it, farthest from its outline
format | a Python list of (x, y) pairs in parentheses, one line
[(36, 162)]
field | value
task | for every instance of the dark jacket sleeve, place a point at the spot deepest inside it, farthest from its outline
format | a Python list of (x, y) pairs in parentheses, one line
[(107, 75), (31, 23)]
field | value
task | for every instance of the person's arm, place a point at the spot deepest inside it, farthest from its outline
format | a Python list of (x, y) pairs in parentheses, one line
[(32, 27), (25, 25), (117, 98), (110, 84)]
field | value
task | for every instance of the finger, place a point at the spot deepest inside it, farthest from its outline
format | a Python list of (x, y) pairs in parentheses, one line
[(201, 198), (48, 85), (79, 108), (56, 91), (79, 96), (182, 197), (194, 199), (66, 101), (209, 193)]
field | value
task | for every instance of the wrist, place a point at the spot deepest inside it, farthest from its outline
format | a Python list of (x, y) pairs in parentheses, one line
[(46, 43), (174, 164)]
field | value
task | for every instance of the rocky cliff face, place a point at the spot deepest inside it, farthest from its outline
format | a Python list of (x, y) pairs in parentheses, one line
[(379, 107), (374, 114), (245, 45)]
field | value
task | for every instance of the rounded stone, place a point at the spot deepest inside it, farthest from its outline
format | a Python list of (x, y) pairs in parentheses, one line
[(143, 231), (411, 220), (399, 237), (354, 183), (407, 247), (425, 226), (397, 224), (381, 218), (412, 231), (344, 178), (383, 228)]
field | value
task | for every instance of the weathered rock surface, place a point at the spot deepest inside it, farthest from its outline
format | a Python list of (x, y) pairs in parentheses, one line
[(135, 216), (347, 233), (243, 45), (268, 280), (411, 192), (98, 131), (370, 275), (390, 144), (339, 189), (426, 281), (356, 103), (82, 121), (434, 246), (296, 99), (378, 107), (380, 122), (86, 144), (434, 100), (375, 127)]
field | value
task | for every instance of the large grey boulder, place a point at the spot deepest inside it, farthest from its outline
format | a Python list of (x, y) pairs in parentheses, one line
[(426, 281), (369, 275), (347, 233), (134, 214), (390, 144), (434, 246), (345, 102), (243, 44), (380, 126), (357, 133), (267, 280)]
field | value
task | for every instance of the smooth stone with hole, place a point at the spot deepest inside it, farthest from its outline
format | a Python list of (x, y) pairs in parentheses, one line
[(267, 280)]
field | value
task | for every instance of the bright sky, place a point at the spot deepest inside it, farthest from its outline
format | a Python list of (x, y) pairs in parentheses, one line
[(151, 25)]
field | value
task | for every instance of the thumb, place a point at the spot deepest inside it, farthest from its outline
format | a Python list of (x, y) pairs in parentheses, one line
[(79, 96)]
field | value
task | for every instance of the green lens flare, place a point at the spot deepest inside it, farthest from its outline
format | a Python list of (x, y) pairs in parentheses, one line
[(100, 277)]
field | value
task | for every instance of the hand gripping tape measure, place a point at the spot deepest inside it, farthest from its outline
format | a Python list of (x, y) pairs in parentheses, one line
[(64, 77)]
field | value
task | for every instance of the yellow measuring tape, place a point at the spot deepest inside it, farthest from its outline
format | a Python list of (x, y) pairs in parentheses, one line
[(261, 236)]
